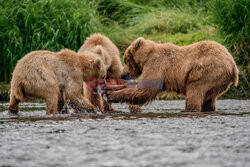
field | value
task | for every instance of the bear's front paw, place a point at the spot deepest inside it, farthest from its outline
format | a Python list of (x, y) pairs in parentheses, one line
[(113, 97)]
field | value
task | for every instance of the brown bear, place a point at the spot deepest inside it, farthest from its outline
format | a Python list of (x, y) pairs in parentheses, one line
[(104, 49), (55, 77), (202, 72)]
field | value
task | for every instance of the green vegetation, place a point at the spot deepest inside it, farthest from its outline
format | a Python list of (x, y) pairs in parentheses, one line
[(232, 18), (27, 25)]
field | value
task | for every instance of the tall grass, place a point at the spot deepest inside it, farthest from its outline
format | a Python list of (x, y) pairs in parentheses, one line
[(194, 4), (133, 18), (232, 18), (121, 11), (42, 24)]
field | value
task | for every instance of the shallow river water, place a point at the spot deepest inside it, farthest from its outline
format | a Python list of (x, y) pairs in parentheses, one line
[(160, 136)]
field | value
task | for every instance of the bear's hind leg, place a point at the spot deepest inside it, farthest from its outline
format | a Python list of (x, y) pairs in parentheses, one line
[(13, 106), (209, 105), (194, 98), (211, 96)]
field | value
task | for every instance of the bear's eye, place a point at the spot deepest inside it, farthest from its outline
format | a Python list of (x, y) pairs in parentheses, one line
[(125, 62)]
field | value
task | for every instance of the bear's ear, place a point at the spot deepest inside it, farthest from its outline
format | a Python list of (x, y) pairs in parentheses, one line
[(97, 65), (137, 43), (98, 50)]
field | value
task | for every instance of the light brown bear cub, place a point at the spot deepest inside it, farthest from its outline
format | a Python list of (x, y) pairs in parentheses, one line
[(202, 72), (104, 49), (54, 77)]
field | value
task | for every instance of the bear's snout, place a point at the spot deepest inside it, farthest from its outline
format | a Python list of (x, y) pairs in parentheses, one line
[(124, 75)]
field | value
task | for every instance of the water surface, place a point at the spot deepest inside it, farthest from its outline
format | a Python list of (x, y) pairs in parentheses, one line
[(160, 136)]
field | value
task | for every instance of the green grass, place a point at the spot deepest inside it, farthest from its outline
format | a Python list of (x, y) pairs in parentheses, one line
[(42, 25), (27, 25), (232, 20)]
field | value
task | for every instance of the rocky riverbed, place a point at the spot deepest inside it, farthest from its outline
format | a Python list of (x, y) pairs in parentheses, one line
[(160, 136)]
